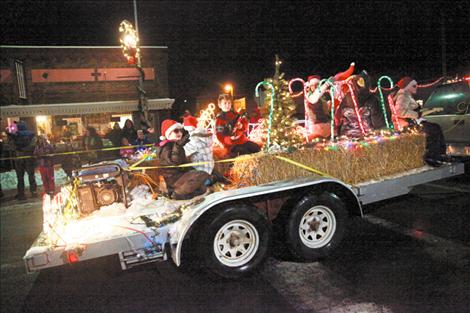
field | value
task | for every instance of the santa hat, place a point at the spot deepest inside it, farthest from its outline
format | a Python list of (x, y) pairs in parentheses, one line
[(167, 127), (190, 123), (313, 79), (405, 82), (343, 75)]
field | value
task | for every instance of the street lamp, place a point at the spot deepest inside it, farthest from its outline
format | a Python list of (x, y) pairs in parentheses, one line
[(228, 88), (129, 39)]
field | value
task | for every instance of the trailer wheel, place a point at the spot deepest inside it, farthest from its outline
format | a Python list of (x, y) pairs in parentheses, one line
[(235, 241), (316, 226)]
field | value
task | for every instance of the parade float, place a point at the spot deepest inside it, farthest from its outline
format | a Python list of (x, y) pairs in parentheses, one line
[(304, 186)]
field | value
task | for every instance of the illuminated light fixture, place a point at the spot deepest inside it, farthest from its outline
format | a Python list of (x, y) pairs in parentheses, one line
[(72, 256), (228, 88), (129, 42), (41, 119)]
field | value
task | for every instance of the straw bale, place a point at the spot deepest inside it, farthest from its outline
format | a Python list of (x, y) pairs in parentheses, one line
[(363, 163)]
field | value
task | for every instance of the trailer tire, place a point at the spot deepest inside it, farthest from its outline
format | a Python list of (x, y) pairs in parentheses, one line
[(316, 226), (234, 242)]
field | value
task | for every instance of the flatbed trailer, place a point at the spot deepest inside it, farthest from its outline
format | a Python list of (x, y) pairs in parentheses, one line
[(229, 232)]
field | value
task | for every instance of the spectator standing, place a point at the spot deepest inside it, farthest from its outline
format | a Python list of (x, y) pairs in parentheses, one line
[(129, 131), (24, 143), (115, 135), (92, 141), (46, 164)]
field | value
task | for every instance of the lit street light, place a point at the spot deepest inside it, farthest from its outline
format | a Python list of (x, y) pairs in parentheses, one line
[(228, 88)]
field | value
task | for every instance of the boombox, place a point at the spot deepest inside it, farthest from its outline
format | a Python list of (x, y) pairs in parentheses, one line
[(100, 185)]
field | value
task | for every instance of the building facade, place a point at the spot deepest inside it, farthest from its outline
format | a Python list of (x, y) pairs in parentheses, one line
[(79, 86)]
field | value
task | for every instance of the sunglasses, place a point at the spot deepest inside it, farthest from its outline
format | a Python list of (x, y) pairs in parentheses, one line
[(177, 130), (415, 86)]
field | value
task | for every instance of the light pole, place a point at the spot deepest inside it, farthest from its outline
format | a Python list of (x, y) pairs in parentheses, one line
[(131, 50)]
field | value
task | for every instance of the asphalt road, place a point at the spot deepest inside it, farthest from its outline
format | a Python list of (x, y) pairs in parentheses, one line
[(409, 254)]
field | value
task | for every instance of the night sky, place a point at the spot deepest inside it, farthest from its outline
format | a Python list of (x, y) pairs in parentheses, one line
[(211, 42)]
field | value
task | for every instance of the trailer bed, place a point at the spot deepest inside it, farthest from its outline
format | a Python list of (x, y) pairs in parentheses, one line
[(124, 233)]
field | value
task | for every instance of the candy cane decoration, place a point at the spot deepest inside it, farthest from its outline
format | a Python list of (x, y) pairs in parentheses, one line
[(291, 82), (271, 109), (332, 110), (304, 92), (382, 102), (356, 108)]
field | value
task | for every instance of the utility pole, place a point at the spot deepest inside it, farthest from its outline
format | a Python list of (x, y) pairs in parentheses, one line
[(143, 107), (443, 44)]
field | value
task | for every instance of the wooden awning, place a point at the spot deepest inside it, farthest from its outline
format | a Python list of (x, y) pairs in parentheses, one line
[(125, 106)]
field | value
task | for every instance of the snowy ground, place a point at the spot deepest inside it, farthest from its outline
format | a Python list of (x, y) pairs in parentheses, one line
[(9, 181)]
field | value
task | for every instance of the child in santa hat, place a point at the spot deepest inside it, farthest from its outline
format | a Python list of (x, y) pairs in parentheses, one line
[(182, 182)]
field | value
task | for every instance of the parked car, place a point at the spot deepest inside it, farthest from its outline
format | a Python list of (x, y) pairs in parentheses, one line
[(454, 98)]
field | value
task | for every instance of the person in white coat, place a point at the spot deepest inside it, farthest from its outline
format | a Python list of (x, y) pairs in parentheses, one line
[(199, 148)]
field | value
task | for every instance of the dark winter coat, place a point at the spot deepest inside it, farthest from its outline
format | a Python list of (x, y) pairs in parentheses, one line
[(23, 140), (172, 153), (129, 132), (369, 110)]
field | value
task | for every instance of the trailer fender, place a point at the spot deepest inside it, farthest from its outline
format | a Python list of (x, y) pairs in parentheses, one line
[(181, 228)]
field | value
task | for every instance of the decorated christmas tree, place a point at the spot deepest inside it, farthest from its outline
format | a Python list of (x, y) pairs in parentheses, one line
[(283, 133)]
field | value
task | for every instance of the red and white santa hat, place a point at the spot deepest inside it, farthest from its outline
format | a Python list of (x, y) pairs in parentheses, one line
[(167, 127), (313, 79), (406, 82), (190, 123)]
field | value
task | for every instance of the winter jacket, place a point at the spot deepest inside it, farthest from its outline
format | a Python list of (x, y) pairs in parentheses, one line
[(41, 150), (230, 129), (199, 149), (405, 106), (129, 132), (24, 141), (172, 153)]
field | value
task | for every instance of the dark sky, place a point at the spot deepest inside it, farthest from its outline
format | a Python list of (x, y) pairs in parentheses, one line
[(211, 42)]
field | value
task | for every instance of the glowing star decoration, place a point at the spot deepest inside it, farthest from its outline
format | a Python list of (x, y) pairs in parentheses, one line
[(271, 109), (129, 42), (206, 120), (382, 102), (207, 117)]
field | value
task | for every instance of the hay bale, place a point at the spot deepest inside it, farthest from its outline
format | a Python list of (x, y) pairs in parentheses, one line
[(365, 162)]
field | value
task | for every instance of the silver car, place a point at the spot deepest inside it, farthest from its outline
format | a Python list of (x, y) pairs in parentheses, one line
[(454, 98)]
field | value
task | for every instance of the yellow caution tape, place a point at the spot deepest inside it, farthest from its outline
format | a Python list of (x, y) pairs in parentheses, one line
[(240, 158), (75, 152), (308, 168)]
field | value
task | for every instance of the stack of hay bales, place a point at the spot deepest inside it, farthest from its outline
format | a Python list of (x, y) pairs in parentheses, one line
[(371, 161)]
